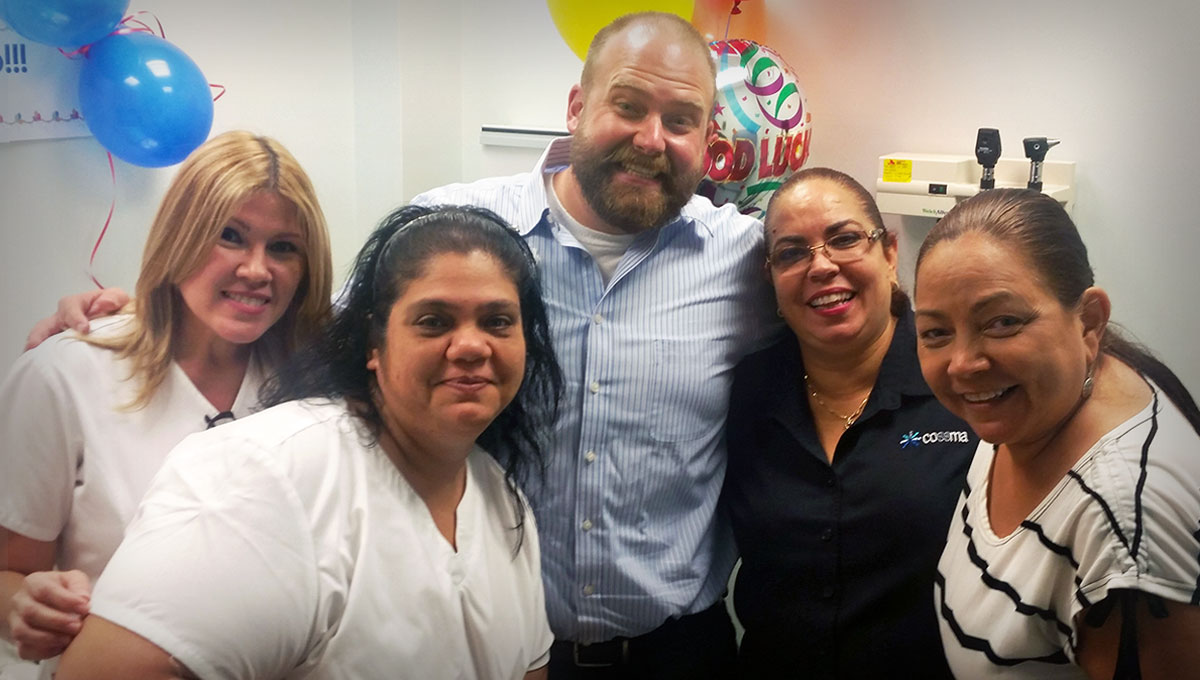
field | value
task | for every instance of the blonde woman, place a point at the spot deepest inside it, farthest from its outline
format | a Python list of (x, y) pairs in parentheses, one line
[(236, 273)]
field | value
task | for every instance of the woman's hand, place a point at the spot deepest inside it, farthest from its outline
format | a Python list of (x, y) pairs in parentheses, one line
[(47, 612)]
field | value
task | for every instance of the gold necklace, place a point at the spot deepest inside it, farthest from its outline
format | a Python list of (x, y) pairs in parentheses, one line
[(848, 420)]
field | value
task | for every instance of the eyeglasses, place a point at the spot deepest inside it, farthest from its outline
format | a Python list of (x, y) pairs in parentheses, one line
[(842, 248)]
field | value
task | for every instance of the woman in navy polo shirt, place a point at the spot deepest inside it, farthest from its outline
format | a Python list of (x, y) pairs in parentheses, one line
[(843, 467)]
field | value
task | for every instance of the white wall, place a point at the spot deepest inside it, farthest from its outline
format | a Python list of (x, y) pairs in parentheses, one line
[(475, 64), (382, 99)]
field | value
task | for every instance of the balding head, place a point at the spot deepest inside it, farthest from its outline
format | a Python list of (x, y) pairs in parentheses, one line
[(656, 25)]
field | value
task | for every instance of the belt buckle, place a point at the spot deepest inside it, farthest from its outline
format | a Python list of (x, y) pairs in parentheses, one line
[(584, 663)]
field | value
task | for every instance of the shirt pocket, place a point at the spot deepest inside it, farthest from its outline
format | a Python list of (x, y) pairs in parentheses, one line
[(688, 400)]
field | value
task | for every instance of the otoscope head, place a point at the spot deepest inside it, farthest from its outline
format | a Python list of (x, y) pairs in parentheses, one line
[(1036, 147)]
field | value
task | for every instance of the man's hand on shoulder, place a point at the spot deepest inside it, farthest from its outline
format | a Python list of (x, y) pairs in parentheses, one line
[(74, 312)]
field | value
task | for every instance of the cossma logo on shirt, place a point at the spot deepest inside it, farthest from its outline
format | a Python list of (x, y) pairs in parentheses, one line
[(914, 438)]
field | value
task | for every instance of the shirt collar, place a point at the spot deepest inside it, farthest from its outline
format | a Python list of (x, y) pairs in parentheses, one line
[(557, 157), (899, 374)]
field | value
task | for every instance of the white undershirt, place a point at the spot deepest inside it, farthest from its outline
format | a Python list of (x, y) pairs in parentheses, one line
[(606, 249)]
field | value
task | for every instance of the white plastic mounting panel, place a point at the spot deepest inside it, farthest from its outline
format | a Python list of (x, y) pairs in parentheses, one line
[(503, 135), (929, 185)]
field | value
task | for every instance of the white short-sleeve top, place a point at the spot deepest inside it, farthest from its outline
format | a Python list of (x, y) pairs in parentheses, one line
[(75, 461), (288, 545), (1126, 516)]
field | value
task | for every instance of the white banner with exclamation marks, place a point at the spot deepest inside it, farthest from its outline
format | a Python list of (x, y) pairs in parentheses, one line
[(39, 90)]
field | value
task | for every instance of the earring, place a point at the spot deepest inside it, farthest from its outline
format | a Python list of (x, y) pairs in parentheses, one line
[(779, 312), (1088, 383)]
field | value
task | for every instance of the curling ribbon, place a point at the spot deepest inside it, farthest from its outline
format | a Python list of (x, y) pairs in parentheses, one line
[(112, 171), (129, 24), (734, 10)]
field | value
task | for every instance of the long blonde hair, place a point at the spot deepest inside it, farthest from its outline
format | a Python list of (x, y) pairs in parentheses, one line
[(208, 189)]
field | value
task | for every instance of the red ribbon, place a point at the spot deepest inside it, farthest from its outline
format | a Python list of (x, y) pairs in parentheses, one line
[(733, 10), (112, 171), (129, 24)]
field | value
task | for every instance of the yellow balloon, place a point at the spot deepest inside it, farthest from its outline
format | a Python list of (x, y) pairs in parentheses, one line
[(578, 21)]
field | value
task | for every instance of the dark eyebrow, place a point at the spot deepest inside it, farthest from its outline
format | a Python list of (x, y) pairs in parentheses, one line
[(998, 296), (243, 227), (829, 231), (837, 226), (489, 307)]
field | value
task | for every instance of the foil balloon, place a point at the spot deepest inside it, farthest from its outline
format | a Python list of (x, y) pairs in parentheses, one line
[(763, 126)]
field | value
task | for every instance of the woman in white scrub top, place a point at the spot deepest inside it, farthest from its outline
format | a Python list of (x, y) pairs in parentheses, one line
[(357, 529), (236, 272)]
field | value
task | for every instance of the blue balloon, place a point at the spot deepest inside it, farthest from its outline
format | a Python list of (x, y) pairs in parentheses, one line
[(144, 99), (63, 23)]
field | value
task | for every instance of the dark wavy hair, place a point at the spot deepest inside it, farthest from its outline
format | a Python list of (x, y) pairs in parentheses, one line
[(335, 366), (1039, 226), (900, 303)]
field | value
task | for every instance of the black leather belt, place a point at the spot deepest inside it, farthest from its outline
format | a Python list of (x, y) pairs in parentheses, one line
[(622, 650), (600, 654)]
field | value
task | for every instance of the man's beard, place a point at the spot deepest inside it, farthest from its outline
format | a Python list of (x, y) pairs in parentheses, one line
[(631, 209)]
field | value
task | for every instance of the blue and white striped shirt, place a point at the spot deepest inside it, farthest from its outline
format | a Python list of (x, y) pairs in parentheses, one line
[(627, 514)]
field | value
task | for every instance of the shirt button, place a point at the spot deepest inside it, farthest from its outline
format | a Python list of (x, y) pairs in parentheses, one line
[(828, 482), (598, 318), (595, 387), (827, 535), (590, 456), (589, 589), (827, 592), (587, 525)]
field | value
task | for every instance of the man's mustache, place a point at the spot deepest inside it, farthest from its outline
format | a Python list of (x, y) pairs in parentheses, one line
[(627, 156)]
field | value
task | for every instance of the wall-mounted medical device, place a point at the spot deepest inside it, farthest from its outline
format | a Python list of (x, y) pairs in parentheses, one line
[(929, 185)]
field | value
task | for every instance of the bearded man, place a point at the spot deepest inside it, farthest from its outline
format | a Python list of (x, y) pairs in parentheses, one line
[(653, 295)]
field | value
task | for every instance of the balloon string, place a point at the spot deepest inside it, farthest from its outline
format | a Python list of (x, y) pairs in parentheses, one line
[(219, 94), (732, 10), (112, 171), (129, 24), (139, 25)]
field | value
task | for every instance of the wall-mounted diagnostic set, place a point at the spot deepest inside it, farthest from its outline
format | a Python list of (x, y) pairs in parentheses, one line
[(928, 185)]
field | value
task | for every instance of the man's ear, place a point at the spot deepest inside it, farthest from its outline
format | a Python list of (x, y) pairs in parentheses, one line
[(574, 108), (712, 132), (373, 359), (1094, 310)]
